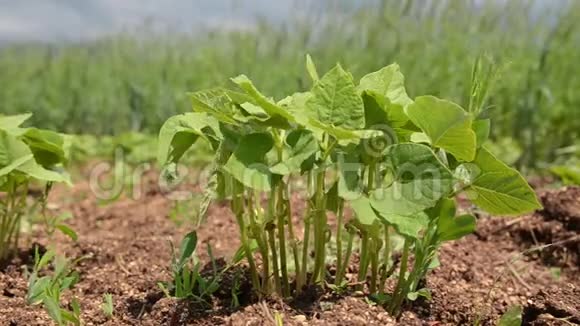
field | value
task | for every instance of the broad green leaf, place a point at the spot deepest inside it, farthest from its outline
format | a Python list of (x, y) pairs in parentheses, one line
[(180, 132), (296, 104), (363, 211), (446, 124), (375, 113), (335, 101), (349, 183), (187, 247), (272, 109), (299, 146), (455, 227), (512, 317), (248, 162), (15, 163), (47, 146), (387, 88), (36, 171), (215, 102), (499, 189), (481, 129), (420, 180), (415, 162), (11, 123), (15, 155), (408, 225)]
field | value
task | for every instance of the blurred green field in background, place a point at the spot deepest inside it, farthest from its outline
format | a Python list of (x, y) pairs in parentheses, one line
[(133, 82)]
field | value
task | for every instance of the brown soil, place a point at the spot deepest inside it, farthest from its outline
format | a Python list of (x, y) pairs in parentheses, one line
[(127, 252)]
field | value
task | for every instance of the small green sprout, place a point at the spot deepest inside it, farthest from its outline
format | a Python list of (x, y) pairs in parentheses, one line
[(47, 290), (107, 306)]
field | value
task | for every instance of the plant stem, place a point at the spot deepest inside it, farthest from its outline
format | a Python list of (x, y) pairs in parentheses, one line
[(364, 260), (399, 290), (293, 242), (386, 259), (275, 270), (262, 243), (305, 244), (374, 258), (319, 229), (238, 208), (342, 271), (339, 226), (280, 212)]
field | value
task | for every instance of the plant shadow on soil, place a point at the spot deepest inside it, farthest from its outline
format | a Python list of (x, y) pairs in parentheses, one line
[(480, 275)]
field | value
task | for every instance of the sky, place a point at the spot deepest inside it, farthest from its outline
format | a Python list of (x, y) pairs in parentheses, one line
[(73, 20), (79, 20)]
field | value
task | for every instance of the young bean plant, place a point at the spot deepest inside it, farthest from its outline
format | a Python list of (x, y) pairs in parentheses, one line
[(27, 155), (397, 163)]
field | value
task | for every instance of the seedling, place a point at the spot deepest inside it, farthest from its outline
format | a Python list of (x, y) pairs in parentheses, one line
[(187, 279), (26, 155), (47, 290), (107, 306), (398, 163)]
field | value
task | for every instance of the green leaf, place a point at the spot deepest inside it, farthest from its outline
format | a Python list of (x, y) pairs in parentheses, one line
[(349, 183), (446, 124), (481, 129), (53, 308), (311, 68), (180, 132), (363, 211), (299, 146), (499, 189), (569, 174), (248, 162), (387, 88), (187, 247), (47, 146), (512, 317), (409, 225), (272, 109), (216, 102), (425, 293), (11, 121), (420, 180), (336, 102), (36, 289), (67, 230), (452, 228), (15, 155)]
